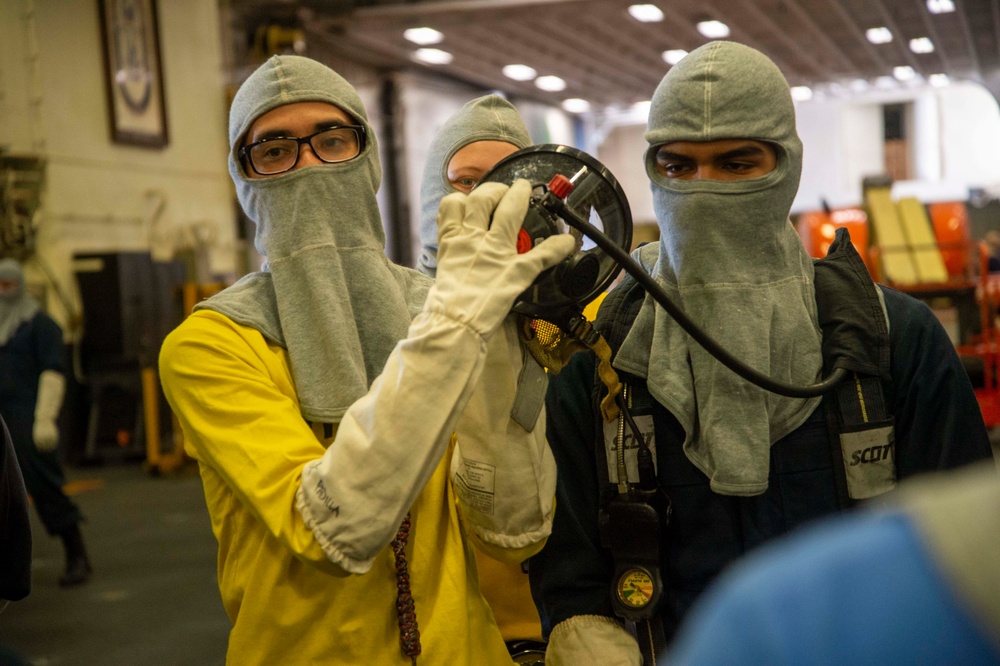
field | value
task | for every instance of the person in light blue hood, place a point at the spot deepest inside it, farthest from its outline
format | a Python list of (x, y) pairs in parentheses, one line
[(738, 465), (352, 420)]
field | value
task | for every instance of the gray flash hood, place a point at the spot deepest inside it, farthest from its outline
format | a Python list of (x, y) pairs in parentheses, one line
[(17, 307), (733, 261), (487, 118), (328, 294)]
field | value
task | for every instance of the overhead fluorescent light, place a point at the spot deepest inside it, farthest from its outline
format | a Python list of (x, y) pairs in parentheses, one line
[(880, 35), (423, 36), (885, 82), (646, 13), (433, 56), (673, 56), (576, 105), (550, 83), (939, 80), (903, 73), (801, 93), (859, 85), (519, 72), (713, 29), (642, 108), (922, 45), (940, 6)]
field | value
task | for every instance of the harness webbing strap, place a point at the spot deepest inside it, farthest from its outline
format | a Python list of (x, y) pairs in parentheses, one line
[(609, 406), (861, 400), (839, 473), (652, 639)]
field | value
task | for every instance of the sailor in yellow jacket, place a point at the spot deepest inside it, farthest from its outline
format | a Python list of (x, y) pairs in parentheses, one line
[(321, 398)]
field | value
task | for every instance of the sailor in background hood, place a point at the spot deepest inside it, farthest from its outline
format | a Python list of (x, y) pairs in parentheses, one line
[(16, 305), (477, 136), (492, 127)]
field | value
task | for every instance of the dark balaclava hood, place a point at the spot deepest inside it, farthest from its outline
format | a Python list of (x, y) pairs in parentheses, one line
[(17, 306), (488, 118), (328, 293), (730, 256)]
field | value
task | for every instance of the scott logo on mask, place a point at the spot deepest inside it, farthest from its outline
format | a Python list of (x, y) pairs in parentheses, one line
[(871, 454)]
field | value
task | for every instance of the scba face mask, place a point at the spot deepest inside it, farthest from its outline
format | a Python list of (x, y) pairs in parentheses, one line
[(569, 186), (575, 194)]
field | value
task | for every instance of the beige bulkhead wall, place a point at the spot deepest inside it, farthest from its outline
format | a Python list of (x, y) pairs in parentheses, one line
[(102, 196)]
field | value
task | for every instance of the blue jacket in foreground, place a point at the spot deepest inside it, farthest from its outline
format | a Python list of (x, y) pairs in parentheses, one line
[(858, 590)]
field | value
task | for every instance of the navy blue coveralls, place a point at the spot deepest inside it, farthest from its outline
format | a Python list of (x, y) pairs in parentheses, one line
[(938, 425), (35, 347)]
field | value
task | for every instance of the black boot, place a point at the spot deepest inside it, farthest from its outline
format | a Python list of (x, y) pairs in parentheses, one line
[(77, 564)]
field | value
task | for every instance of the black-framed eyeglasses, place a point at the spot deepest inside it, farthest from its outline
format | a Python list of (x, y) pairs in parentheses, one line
[(334, 144)]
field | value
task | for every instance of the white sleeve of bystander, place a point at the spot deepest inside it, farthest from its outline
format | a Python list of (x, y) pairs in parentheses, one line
[(51, 388)]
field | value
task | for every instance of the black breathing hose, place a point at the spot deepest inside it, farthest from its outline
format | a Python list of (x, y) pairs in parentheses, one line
[(557, 206)]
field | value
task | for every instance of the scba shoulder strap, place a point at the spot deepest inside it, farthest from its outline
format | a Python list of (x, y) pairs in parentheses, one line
[(633, 518), (855, 327), (854, 324), (855, 332), (635, 511)]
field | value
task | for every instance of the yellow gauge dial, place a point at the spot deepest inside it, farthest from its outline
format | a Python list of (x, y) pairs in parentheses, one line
[(635, 588)]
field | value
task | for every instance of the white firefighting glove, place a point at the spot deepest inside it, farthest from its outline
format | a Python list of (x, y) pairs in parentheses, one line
[(51, 387), (591, 639), (468, 253), (390, 441), (504, 474)]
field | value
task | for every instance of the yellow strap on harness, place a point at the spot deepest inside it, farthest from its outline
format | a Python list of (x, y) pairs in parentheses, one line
[(552, 347), (609, 407)]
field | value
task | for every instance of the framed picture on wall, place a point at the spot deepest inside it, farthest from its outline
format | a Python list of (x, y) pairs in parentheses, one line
[(133, 73)]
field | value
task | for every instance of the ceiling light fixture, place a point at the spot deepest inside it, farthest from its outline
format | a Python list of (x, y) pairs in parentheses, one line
[(859, 85), (519, 72), (885, 82), (423, 36), (550, 83), (673, 56), (801, 93), (433, 56), (646, 13), (940, 6), (903, 73), (880, 35), (713, 29), (922, 45), (642, 108), (576, 105), (939, 80)]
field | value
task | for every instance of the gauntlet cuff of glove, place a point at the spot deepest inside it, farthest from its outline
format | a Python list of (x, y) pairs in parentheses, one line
[(592, 639)]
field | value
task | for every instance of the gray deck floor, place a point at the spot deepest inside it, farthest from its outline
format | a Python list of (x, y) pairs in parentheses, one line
[(153, 598)]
